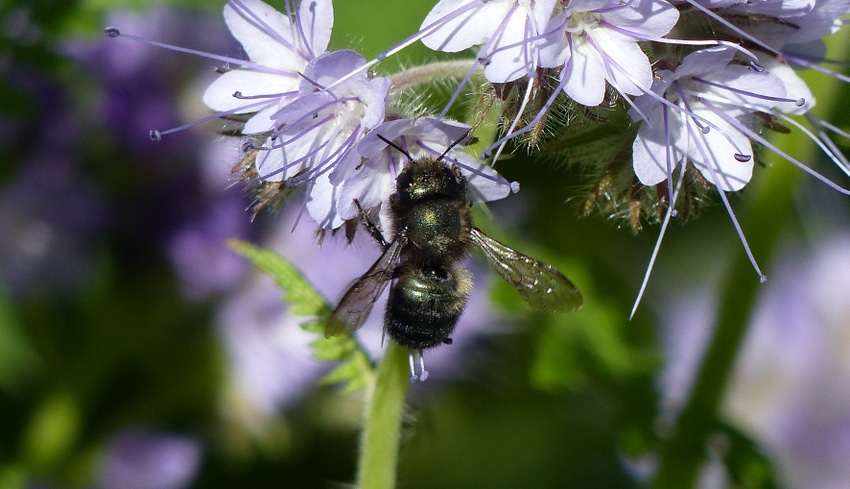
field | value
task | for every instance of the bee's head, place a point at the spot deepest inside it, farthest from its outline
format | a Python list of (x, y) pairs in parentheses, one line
[(429, 178)]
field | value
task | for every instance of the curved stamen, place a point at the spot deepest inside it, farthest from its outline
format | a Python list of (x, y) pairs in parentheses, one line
[(824, 143), (255, 19), (798, 102), (525, 99), (114, 32), (739, 155), (755, 136), (484, 49), (667, 216), (684, 100), (686, 42), (815, 66), (407, 41), (733, 27), (710, 163), (239, 95), (156, 135)]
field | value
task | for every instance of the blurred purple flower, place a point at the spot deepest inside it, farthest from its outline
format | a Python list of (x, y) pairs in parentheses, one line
[(199, 253), (140, 84), (143, 459), (49, 221), (197, 248), (788, 388)]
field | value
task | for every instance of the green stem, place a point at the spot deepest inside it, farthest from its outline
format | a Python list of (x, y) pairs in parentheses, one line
[(440, 70), (380, 439)]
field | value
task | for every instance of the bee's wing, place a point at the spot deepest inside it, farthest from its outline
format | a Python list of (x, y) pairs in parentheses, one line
[(541, 285), (356, 304)]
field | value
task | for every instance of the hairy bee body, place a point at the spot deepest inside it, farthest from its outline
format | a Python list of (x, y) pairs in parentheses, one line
[(433, 230)]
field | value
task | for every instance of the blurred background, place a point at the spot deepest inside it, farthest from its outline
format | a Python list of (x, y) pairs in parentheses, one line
[(138, 351)]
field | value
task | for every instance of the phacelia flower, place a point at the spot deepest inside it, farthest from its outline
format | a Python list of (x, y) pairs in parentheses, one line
[(597, 41), (279, 48), (511, 31), (702, 113), (147, 459), (316, 135)]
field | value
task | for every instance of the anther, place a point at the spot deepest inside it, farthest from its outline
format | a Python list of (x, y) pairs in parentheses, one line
[(800, 102), (112, 32), (514, 187), (743, 158), (156, 136)]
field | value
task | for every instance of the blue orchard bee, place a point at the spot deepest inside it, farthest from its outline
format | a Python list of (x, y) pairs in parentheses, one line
[(433, 231)]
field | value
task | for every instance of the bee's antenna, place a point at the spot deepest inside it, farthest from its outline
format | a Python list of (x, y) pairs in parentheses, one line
[(399, 148), (457, 141), (417, 366)]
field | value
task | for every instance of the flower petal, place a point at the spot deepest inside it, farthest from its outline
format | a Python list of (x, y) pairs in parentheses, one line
[(584, 74), (267, 35), (649, 150), (219, 95), (715, 149), (461, 30)]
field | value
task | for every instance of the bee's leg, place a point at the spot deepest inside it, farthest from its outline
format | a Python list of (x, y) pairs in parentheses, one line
[(371, 226), (417, 366)]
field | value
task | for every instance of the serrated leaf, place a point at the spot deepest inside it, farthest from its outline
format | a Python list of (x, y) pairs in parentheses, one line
[(356, 369)]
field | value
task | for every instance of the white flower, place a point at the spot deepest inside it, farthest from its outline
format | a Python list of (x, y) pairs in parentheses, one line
[(279, 49), (317, 134), (597, 41), (510, 30), (710, 102)]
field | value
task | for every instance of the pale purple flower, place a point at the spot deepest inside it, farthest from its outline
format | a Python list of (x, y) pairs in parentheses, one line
[(279, 48), (788, 388), (268, 353), (708, 105), (796, 21), (317, 134), (596, 41), (511, 31), (372, 181), (145, 459)]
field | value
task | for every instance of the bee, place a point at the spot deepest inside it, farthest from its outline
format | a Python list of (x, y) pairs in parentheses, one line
[(433, 230)]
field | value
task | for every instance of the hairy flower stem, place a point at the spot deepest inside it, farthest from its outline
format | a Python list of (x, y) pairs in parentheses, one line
[(428, 73), (382, 425), (769, 208)]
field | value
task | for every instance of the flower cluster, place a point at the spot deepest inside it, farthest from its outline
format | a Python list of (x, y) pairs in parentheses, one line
[(701, 82)]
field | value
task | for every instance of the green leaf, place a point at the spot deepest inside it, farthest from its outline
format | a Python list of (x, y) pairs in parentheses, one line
[(356, 369)]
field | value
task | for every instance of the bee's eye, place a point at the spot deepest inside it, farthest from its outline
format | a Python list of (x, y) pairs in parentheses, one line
[(404, 180)]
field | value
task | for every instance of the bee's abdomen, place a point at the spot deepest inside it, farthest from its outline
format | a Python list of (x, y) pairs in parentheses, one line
[(424, 305)]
